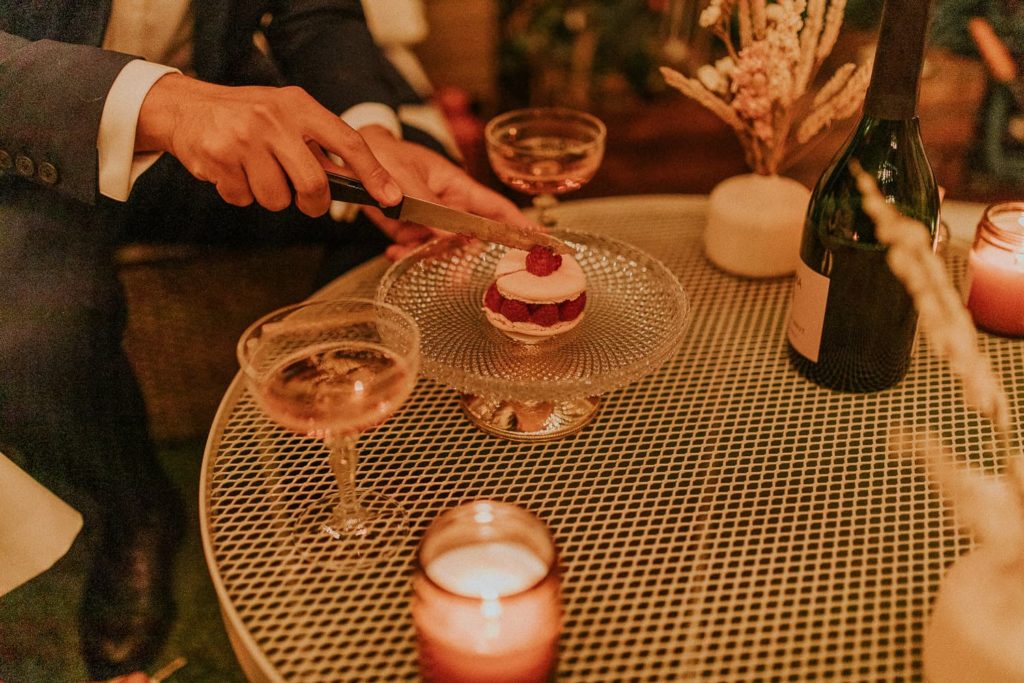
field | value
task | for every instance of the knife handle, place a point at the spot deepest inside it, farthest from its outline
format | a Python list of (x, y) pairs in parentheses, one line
[(345, 189)]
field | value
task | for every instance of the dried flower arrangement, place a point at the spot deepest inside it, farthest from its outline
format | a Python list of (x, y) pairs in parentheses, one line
[(761, 89)]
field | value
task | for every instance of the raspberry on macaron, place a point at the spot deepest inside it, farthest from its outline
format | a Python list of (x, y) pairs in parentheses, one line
[(516, 311), (493, 298), (570, 310), (542, 261), (545, 315)]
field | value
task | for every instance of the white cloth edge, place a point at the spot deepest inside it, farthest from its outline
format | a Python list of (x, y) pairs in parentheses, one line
[(373, 113), (36, 527)]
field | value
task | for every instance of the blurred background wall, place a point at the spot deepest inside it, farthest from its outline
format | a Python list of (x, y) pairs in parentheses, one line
[(602, 55)]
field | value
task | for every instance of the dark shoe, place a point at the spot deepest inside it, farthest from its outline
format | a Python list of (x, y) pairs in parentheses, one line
[(127, 609)]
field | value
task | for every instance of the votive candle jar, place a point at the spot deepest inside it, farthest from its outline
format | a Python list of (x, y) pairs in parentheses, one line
[(995, 270), (486, 600)]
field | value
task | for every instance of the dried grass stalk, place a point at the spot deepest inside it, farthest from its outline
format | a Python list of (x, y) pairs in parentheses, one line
[(833, 22), (952, 335), (746, 29), (991, 508), (841, 105), (762, 86), (809, 40), (759, 18), (833, 85), (694, 89), (941, 314)]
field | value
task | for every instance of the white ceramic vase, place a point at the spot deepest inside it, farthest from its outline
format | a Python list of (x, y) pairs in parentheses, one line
[(755, 223)]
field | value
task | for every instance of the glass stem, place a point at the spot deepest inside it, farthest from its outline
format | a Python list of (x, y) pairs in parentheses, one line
[(544, 203), (348, 515)]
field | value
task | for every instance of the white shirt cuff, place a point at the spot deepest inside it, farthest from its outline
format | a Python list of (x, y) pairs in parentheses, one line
[(370, 113), (119, 165)]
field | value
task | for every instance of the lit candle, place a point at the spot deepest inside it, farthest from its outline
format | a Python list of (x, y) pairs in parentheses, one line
[(996, 271), (486, 597)]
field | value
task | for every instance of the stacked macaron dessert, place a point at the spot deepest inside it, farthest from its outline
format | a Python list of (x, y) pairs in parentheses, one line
[(536, 294)]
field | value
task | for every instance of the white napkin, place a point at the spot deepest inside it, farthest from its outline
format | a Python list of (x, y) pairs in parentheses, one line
[(36, 527)]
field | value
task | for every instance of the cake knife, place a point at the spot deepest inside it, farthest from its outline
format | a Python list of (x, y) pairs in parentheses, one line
[(421, 211)]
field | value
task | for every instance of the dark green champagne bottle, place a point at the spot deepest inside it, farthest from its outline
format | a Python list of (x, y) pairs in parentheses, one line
[(852, 324)]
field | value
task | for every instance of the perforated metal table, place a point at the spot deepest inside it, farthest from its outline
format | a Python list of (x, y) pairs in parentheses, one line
[(721, 519)]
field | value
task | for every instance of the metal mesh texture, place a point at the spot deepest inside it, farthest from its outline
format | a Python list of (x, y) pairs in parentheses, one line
[(721, 519)]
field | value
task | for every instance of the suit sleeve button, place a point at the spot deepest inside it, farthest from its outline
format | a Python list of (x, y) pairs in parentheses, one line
[(48, 173), (6, 163), (24, 166)]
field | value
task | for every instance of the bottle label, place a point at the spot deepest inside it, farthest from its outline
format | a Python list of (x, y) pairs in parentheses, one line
[(807, 314)]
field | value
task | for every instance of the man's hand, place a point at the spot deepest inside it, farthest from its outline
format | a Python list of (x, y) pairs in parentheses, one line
[(425, 174), (254, 143)]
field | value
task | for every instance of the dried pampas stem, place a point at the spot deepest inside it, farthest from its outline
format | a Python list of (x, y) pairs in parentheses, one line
[(839, 106), (942, 316), (991, 509), (759, 17), (746, 29), (833, 22), (810, 35), (696, 90), (943, 319), (833, 85)]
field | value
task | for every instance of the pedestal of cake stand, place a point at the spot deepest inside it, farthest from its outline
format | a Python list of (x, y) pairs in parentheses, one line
[(530, 421)]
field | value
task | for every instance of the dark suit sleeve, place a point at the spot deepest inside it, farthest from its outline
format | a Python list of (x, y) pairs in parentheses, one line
[(325, 47), (51, 100)]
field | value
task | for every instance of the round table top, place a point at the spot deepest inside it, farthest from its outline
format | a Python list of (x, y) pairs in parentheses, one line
[(721, 518)]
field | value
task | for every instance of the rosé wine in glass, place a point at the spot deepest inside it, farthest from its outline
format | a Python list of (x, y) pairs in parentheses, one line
[(545, 151), (326, 390), (332, 369)]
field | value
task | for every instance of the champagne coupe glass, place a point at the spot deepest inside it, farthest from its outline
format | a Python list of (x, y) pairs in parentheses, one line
[(545, 151), (331, 369)]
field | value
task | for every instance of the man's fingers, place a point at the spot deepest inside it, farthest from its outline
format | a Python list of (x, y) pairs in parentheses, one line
[(388, 226), (336, 136), (233, 187), (224, 133), (411, 233), (133, 677), (395, 252), (312, 195), (268, 183), (326, 163), (401, 232), (486, 202)]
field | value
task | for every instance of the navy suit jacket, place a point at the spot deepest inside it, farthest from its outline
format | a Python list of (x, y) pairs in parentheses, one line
[(54, 78)]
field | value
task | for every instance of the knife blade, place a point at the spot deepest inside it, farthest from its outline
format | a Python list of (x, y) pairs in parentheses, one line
[(421, 211)]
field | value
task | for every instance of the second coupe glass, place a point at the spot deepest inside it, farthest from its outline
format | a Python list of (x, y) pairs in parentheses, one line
[(332, 369), (545, 151)]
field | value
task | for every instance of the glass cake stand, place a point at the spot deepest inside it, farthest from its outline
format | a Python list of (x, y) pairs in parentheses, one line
[(635, 319)]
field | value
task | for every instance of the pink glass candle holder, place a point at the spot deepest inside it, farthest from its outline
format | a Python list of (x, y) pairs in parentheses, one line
[(486, 600), (996, 270)]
